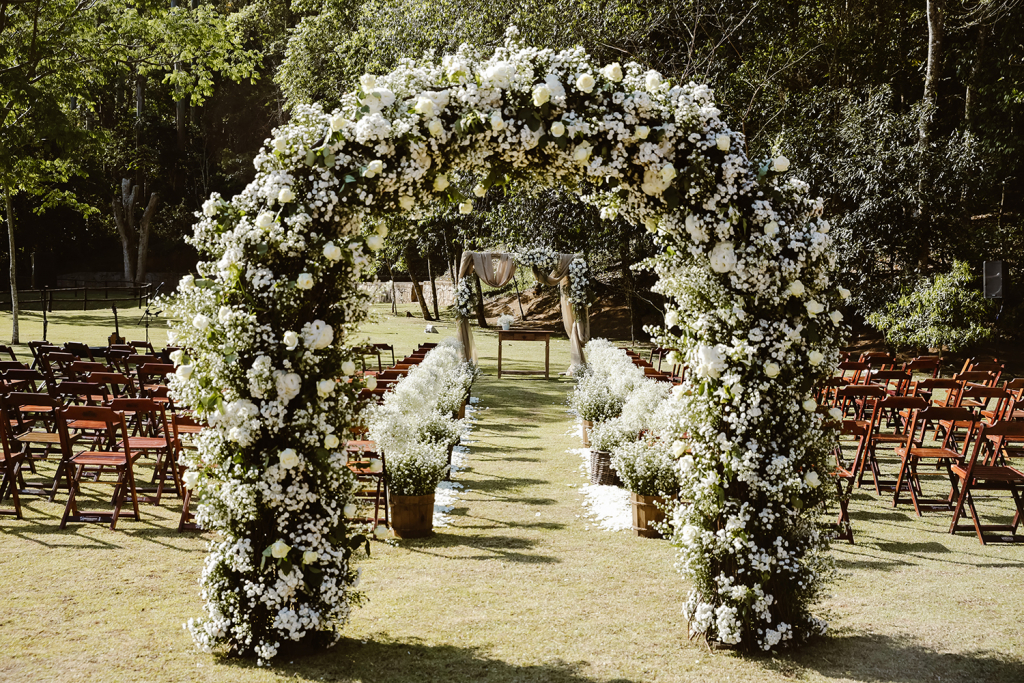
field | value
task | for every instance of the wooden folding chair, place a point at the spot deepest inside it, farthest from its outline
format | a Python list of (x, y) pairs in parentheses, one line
[(855, 372), (7, 350), (80, 350), (914, 452), (115, 455), (30, 424), (374, 484), (896, 382), (889, 428), (10, 462), (974, 476), (184, 428), (845, 472), (859, 397), (151, 436), (118, 384)]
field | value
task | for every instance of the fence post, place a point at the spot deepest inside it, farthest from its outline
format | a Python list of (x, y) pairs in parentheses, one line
[(85, 306)]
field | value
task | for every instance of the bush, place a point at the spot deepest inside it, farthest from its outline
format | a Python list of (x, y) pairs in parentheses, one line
[(647, 467), (945, 311)]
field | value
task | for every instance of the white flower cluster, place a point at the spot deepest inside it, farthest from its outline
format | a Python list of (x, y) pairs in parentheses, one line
[(542, 258), (579, 283), (745, 265)]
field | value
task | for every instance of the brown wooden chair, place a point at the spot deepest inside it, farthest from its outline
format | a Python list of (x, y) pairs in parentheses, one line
[(914, 452), (855, 372), (11, 459), (151, 436), (851, 432), (927, 388), (184, 429), (860, 398), (118, 384), (975, 476), (8, 351), (30, 421), (80, 350), (373, 484), (114, 454), (888, 428), (896, 382)]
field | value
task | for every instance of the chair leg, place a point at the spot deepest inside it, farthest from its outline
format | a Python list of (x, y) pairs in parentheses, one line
[(71, 509)]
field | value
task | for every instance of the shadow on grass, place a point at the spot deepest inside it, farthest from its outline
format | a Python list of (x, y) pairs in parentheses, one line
[(874, 657), (391, 661), (490, 547)]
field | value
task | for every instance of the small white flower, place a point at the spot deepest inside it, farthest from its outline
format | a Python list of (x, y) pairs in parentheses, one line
[(836, 317), (772, 229), (497, 123), (184, 372), (375, 167), (424, 106), (280, 549), (679, 448), (304, 281), (812, 479), (288, 458), (332, 252), (285, 195), (585, 83), (613, 72), (435, 127), (406, 202), (291, 340), (325, 387), (190, 479), (331, 441), (375, 242), (541, 95), (642, 132), (280, 144), (466, 208), (815, 358), (210, 207), (264, 220), (723, 142), (780, 165), (796, 288), (309, 557), (772, 369), (382, 230), (810, 405), (558, 129), (441, 183), (200, 322), (814, 308), (338, 122)]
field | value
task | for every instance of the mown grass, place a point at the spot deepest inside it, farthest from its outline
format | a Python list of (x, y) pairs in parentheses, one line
[(517, 589)]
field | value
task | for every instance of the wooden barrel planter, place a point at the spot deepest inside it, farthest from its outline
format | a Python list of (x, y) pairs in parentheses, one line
[(645, 512), (586, 425), (412, 516), (601, 470)]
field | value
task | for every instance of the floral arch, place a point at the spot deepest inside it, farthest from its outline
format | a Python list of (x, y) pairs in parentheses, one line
[(745, 264)]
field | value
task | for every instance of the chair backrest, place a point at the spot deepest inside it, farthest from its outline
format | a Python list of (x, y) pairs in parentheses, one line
[(978, 377), (7, 350), (88, 393), (143, 345), (881, 360), (12, 365), (12, 408), (19, 378), (81, 368), (997, 432), (894, 404), (898, 380), (926, 364), (932, 384), (120, 385), (150, 413), (79, 349), (935, 414), (113, 420), (859, 370)]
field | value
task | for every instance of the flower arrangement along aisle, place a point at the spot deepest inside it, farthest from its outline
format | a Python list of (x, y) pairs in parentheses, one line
[(745, 266)]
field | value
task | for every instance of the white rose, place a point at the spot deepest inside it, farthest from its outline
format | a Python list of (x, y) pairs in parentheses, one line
[(406, 202), (184, 372), (264, 220), (814, 308), (810, 405), (499, 75), (224, 314), (836, 317), (689, 534), (373, 168), (441, 183), (815, 358), (325, 387), (285, 195), (780, 165), (382, 230), (668, 172), (686, 463), (671, 319), (376, 466), (466, 208), (331, 441), (824, 226), (317, 335), (200, 322), (349, 510), (835, 413), (368, 81), (844, 293), (332, 252), (375, 242), (796, 288), (613, 72), (288, 458), (479, 190), (288, 385), (381, 531), (371, 382), (541, 95), (710, 361), (772, 229), (190, 479), (424, 106), (210, 207), (291, 340), (678, 448), (348, 367), (772, 370), (642, 132), (280, 549), (309, 557), (582, 152), (812, 479), (435, 127), (585, 83), (723, 142), (304, 281), (338, 122), (653, 80), (172, 337), (558, 129), (723, 257), (497, 123), (280, 144), (651, 223)]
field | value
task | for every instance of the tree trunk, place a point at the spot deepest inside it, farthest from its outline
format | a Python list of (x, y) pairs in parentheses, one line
[(481, 319), (628, 284), (410, 253), (972, 81), (147, 217), (936, 12), (433, 288), (14, 271), (124, 218), (394, 291)]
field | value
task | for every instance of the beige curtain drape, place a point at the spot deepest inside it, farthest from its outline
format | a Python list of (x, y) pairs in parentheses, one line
[(482, 263)]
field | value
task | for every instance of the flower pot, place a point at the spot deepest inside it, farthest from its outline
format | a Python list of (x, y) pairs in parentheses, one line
[(601, 470), (587, 426), (448, 474), (506, 326), (412, 516), (645, 511), (462, 410)]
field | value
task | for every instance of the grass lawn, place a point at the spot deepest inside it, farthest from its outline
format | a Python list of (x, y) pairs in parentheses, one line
[(518, 588)]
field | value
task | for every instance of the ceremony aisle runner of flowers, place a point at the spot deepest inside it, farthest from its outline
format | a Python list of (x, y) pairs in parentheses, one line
[(449, 492)]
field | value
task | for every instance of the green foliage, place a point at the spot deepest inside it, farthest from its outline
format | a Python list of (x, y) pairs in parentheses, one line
[(944, 311)]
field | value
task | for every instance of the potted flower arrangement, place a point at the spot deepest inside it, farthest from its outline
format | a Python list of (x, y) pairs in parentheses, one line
[(604, 438), (593, 401), (506, 321), (413, 475), (648, 470)]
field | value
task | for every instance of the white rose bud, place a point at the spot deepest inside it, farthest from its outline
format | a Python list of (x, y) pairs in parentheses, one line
[(435, 127), (479, 190), (371, 382), (772, 370), (653, 80), (582, 152), (812, 479), (288, 458), (264, 220), (723, 142), (309, 557), (651, 223), (349, 510), (541, 94), (176, 356), (780, 165), (368, 81), (844, 293), (325, 387), (348, 367), (796, 288), (642, 132), (285, 195), (291, 340), (678, 448), (331, 441), (280, 549), (373, 168), (280, 144), (332, 252), (772, 229), (338, 122), (375, 242), (200, 322), (190, 479), (836, 317), (835, 413), (668, 172), (441, 183), (810, 405), (406, 202), (558, 129), (613, 72), (671, 319), (184, 372), (585, 83), (497, 123), (466, 208), (382, 230), (814, 308), (815, 358), (224, 314), (304, 281), (424, 106)]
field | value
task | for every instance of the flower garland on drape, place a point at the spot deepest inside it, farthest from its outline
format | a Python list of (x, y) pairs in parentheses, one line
[(270, 322)]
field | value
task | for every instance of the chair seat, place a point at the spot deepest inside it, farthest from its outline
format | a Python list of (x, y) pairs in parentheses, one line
[(39, 437), (930, 453), (100, 458), (146, 442), (87, 424), (991, 473)]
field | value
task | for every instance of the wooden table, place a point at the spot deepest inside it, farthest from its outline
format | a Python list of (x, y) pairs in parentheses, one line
[(526, 335)]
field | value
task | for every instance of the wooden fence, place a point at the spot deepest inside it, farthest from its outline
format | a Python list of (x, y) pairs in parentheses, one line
[(84, 298)]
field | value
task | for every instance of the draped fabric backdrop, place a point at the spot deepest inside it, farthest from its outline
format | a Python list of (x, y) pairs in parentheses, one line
[(482, 263)]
